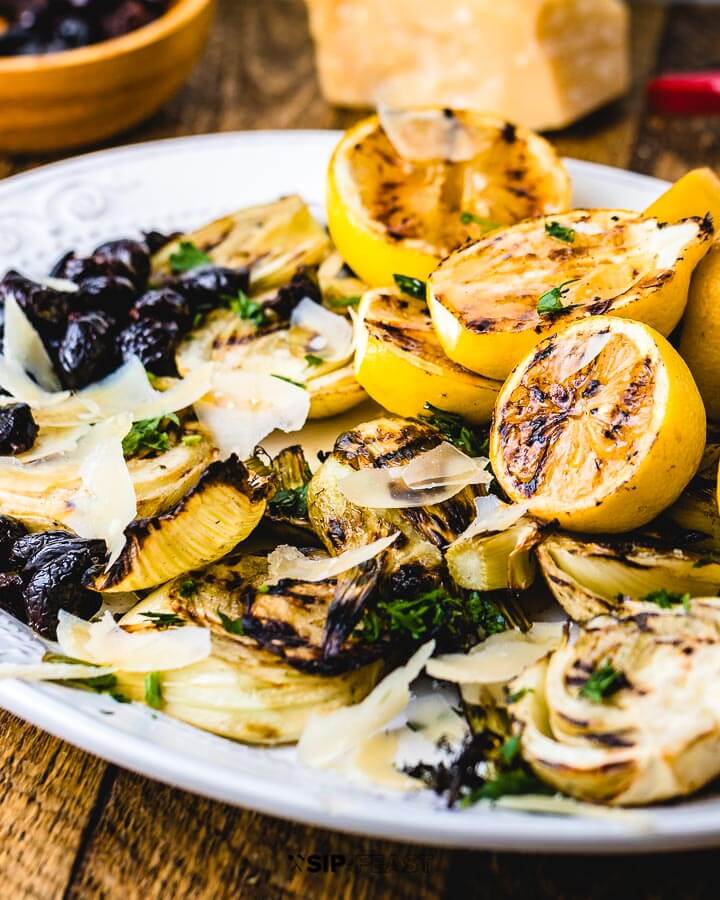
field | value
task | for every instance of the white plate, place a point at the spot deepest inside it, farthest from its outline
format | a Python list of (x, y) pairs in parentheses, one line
[(181, 183)]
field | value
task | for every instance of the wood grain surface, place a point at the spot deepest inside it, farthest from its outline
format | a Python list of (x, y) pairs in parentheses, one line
[(73, 826)]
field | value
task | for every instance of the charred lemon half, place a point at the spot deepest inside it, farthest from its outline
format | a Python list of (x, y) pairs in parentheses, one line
[(399, 202), (494, 300), (600, 427), (400, 363)]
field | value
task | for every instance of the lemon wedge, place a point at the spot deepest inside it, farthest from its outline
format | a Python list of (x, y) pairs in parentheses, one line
[(401, 365), (600, 427), (398, 202), (493, 301), (700, 340), (695, 194)]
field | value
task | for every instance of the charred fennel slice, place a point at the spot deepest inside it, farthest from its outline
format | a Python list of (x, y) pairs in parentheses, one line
[(266, 673), (219, 511), (592, 577), (415, 562), (628, 714)]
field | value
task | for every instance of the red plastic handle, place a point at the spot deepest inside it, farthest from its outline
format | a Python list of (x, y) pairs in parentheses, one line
[(685, 93)]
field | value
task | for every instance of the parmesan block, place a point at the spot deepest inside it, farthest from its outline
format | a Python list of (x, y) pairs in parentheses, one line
[(541, 63)]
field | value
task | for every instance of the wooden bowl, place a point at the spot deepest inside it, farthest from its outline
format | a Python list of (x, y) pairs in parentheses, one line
[(59, 100)]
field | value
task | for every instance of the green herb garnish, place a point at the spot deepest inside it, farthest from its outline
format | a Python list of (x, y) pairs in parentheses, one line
[(291, 502), (556, 230), (513, 783), (551, 301), (603, 683), (163, 620), (149, 435), (191, 440), (413, 287), (247, 309), (120, 698), (188, 256), (667, 599), (469, 218), (188, 588), (153, 690), (232, 626), (518, 695), (342, 302), (466, 437), (313, 360), (289, 380)]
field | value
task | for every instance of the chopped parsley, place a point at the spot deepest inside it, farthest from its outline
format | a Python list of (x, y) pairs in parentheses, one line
[(605, 681), (667, 599), (163, 620), (313, 360), (290, 380), (188, 588), (456, 430), (232, 626), (291, 502), (518, 695), (469, 218), (247, 309), (413, 287), (149, 435), (153, 690), (560, 232), (188, 256), (191, 440), (516, 782), (429, 613), (551, 301)]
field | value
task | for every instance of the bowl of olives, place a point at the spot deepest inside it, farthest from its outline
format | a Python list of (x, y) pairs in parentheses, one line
[(74, 72)]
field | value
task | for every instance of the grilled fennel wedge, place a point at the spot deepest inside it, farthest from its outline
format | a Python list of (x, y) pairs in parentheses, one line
[(287, 511), (265, 340), (270, 241), (219, 511), (614, 717), (496, 561), (591, 577), (265, 675), (414, 562), (696, 510)]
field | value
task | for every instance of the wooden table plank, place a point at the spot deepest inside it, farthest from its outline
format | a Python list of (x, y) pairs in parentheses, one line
[(72, 825)]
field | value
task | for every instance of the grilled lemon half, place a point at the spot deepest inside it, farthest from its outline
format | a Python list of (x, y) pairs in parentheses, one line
[(494, 300), (600, 427), (388, 213), (401, 365), (609, 718), (271, 241)]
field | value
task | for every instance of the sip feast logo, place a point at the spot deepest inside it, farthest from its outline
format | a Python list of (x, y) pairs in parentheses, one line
[(377, 863)]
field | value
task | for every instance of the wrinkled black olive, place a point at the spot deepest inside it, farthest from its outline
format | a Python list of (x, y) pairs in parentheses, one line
[(10, 533), (129, 16), (46, 308), (18, 429), (206, 286), (79, 268), (156, 240), (111, 293), (87, 351), (72, 31), (39, 547), (303, 284), (163, 305), (134, 255), (53, 587), (153, 342), (11, 596)]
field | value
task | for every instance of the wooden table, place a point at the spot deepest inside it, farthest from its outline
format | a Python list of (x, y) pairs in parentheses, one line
[(71, 825)]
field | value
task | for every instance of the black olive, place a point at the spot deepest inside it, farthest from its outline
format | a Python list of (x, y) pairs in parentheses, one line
[(47, 309), (164, 305), (80, 268), (134, 255), (11, 596), (207, 286), (129, 16), (156, 240), (303, 284), (111, 293), (10, 532), (18, 429), (72, 31), (87, 351), (153, 342), (39, 547), (56, 586)]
